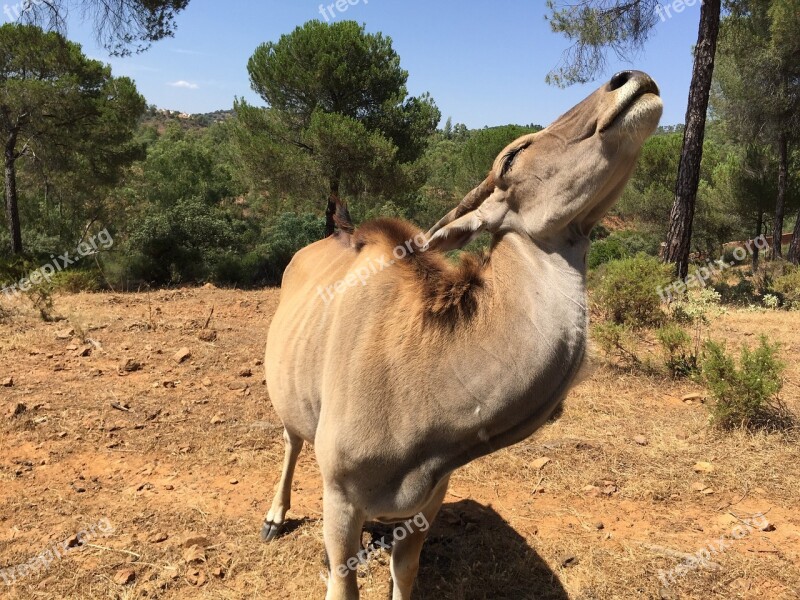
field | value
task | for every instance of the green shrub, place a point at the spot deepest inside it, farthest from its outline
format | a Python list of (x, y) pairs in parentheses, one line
[(616, 342), (742, 293), (788, 286), (289, 233), (636, 242), (626, 291), (621, 244), (605, 251), (74, 282), (746, 395), (680, 354)]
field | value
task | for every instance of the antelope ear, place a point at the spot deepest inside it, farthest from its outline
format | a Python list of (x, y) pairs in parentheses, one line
[(457, 234), (463, 230)]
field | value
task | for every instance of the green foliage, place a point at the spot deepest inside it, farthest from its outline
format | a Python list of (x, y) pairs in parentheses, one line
[(68, 127), (605, 251), (338, 116), (788, 286), (180, 243), (76, 281), (122, 27), (595, 27), (286, 236), (680, 354), (617, 341), (621, 244), (626, 291), (746, 395)]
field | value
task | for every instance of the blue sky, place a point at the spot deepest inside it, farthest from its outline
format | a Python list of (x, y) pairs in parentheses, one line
[(483, 62)]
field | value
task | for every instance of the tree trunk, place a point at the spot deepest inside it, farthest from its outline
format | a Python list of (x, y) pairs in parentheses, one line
[(679, 239), (12, 205), (756, 251), (794, 247), (780, 203), (330, 224)]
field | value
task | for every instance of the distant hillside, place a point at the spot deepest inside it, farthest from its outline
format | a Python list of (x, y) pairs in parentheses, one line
[(160, 118)]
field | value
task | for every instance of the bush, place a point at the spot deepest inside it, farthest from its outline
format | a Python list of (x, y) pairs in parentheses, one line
[(742, 293), (621, 244), (616, 342), (626, 291), (747, 395), (788, 286), (605, 251), (290, 233), (680, 354), (74, 282)]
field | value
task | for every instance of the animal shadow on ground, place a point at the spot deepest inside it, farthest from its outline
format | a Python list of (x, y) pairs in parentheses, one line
[(472, 553)]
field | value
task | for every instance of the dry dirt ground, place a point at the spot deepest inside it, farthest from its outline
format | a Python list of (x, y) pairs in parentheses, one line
[(176, 463)]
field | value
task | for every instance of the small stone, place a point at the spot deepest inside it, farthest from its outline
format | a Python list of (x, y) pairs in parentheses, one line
[(693, 397), (540, 463), (218, 572), (125, 576), (196, 577), (245, 372), (157, 538), (599, 525), (207, 382), (703, 467), (193, 539), (17, 409), (207, 335), (641, 440), (65, 334), (217, 419), (7, 382), (766, 526), (130, 366), (169, 487), (234, 482), (591, 490), (569, 561), (170, 385), (83, 352), (182, 355)]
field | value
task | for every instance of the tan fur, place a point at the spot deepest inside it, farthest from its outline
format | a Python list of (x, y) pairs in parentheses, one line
[(400, 365), (447, 290)]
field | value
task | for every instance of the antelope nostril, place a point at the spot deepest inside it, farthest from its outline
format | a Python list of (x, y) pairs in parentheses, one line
[(620, 79)]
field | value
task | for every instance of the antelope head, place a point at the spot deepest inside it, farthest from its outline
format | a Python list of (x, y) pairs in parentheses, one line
[(560, 182)]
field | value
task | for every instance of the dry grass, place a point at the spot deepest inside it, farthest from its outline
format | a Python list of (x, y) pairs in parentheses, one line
[(508, 530)]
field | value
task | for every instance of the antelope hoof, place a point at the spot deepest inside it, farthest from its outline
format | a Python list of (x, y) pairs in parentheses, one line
[(270, 531)]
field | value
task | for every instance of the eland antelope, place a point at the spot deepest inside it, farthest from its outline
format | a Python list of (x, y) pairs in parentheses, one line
[(400, 366)]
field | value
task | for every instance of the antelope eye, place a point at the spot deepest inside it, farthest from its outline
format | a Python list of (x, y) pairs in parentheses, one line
[(510, 157)]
